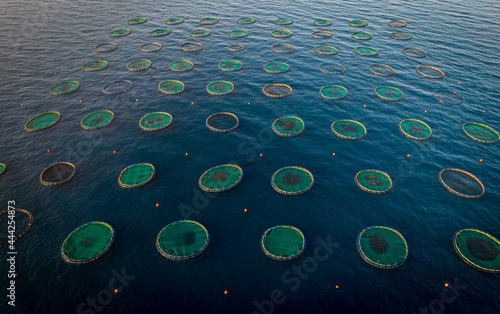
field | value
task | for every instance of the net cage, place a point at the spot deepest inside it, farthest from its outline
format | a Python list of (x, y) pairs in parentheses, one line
[(182, 240), (246, 20), (238, 33), (382, 247), (3, 167), (120, 32), (321, 22), (277, 90), (331, 68), (174, 21), (171, 87), (321, 34), (283, 21), (276, 67), (106, 47), (283, 243), (138, 20), (192, 47), (93, 66), (414, 52), (333, 92), (181, 66), (400, 36), (283, 48), (358, 23), (292, 180), (200, 33), (117, 87), (461, 183), (19, 222), (348, 129), (97, 119), (64, 88), (415, 129), (222, 122), (361, 36), (230, 65), (448, 97), (138, 65), (381, 70), (57, 174), (373, 181), (220, 178), (219, 88), (480, 133), (87, 243), (326, 50), (155, 121), (366, 51), (150, 47), (209, 21), (236, 48), (288, 126), (478, 249), (160, 32), (42, 121), (397, 24), (389, 93), (136, 175), (280, 33), (430, 72)]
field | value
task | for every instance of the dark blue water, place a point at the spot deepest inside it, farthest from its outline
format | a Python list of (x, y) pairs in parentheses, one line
[(41, 38)]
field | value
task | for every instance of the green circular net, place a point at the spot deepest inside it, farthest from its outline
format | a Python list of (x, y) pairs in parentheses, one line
[(64, 88), (200, 33), (209, 21), (326, 50), (481, 133), (374, 181), (281, 33), (174, 20), (136, 175), (400, 36), (182, 240), (87, 242), (220, 88), (155, 121), (97, 119), (288, 126), (320, 22), (461, 183), (358, 23), (367, 51), (276, 67), (284, 21), (230, 65), (292, 180), (415, 129), (181, 66), (282, 48), (238, 33), (448, 97), (159, 32), (414, 52), (220, 178), (382, 247), (95, 65), (139, 65), (361, 35), (246, 20), (321, 34), (348, 129), (171, 87), (480, 249), (222, 122), (57, 174), (120, 32), (42, 121), (138, 20), (283, 242), (389, 93), (333, 92)]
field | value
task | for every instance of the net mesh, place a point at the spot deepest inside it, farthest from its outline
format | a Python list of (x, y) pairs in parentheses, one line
[(95, 65), (181, 66), (281, 33), (414, 52), (277, 90), (220, 178), (348, 129), (366, 51), (284, 21), (192, 47), (373, 181), (361, 35), (230, 65), (333, 92), (288, 126), (398, 24), (238, 33), (97, 119), (292, 180), (136, 175), (200, 33), (246, 20), (320, 22), (42, 121), (222, 122), (155, 121), (64, 88), (382, 247), (358, 23), (88, 242), (415, 129), (182, 240), (139, 65), (480, 133), (283, 242), (220, 88), (478, 249), (448, 97), (117, 87), (331, 68), (389, 93), (400, 36), (321, 34), (461, 183), (106, 47), (276, 67), (57, 173), (283, 48), (138, 20), (120, 32), (381, 70), (430, 72), (174, 21), (150, 47), (171, 87), (326, 50), (160, 32)]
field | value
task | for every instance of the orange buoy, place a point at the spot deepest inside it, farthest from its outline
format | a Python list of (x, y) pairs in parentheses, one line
[(162, 16), (480, 160), (186, 154), (262, 27), (192, 103), (459, 83), (83, 55), (419, 30), (266, 16), (483, 110), (225, 291), (425, 111), (245, 210), (55, 73), (441, 61), (111, 26), (258, 57), (364, 106), (302, 16), (249, 103), (91, 39), (22, 104), (197, 16), (333, 154), (408, 156), (114, 152), (127, 15), (336, 286), (48, 150), (157, 205), (410, 18), (116, 290), (260, 155), (446, 285), (136, 100), (81, 101), (231, 16)]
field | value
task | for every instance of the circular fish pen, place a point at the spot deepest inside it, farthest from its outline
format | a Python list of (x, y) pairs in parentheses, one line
[(276, 67), (230, 65), (200, 33), (236, 48), (138, 20), (283, 48), (373, 181), (3, 167), (22, 234), (382, 247), (93, 66), (97, 119), (87, 242), (400, 36), (478, 249), (321, 34), (136, 175), (292, 180), (415, 129), (174, 21), (181, 66), (192, 47), (246, 20), (222, 122), (320, 22), (448, 97), (171, 87), (57, 174), (461, 183), (361, 36), (381, 70), (281, 33), (42, 121), (480, 133), (277, 90), (155, 121), (120, 32), (348, 129), (366, 51), (106, 47), (414, 52), (331, 68), (283, 21), (358, 23), (160, 32), (288, 126), (333, 92), (237, 33), (389, 93), (430, 72), (139, 65), (397, 24), (209, 21), (64, 88), (117, 87), (326, 50), (150, 47), (283, 243), (220, 178), (182, 240), (219, 88)]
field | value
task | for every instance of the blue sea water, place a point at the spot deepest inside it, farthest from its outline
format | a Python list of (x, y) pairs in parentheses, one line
[(41, 38)]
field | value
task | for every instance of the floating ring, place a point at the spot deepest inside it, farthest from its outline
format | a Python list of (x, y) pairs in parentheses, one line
[(415, 129), (361, 36), (445, 91), (458, 193), (93, 66), (484, 134), (288, 126), (120, 32), (112, 46), (275, 240), (150, 50), (329, 72), (333, 92), (138, 65), (400, 36), (175, 245), (155, 121), (236, 48), (219, 88), (116, 82), (348, 129), (200, 47), (366, 51), (42, 121), (393, 94), (288, 180), (281, 33), (484, 241), (321, 34), (181, 66), (171, 87), (19, 236), (289, 47), (174, 21), (406, 53), (381, 65), (320, 22), (358, 23), (97, 119), (326, 50), (136, 175), (394, 24), (373, 181), (430, 76), (45, 181), (276, 95), (222, 114)]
